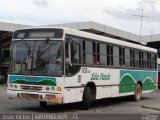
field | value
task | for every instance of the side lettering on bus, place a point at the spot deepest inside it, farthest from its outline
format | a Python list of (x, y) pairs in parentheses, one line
[(101, 76)]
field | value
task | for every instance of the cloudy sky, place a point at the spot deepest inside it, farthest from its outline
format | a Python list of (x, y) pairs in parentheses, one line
[(120, 14)]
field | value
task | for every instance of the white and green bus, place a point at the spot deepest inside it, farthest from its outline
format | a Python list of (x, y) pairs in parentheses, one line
[(63, 65)]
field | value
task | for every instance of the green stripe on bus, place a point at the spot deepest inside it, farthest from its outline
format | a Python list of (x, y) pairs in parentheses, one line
[(127, 84), (129, 79)]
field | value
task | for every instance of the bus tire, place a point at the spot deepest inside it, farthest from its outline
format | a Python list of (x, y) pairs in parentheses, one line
[(86, 98), (43, 104), (138, 92)]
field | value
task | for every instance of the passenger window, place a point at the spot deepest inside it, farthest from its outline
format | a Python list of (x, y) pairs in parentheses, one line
[(115, 56), (145, 60), (108, 55), (136, 59), (75, 53), (103, 58), (153, 61), (87, 52), (127, 57)]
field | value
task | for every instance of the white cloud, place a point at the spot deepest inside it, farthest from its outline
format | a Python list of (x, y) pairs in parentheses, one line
[(40, 3), (119, 12)]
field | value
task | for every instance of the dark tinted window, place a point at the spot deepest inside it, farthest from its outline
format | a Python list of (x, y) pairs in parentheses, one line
[(75, 53), (103, 57), (87, 52), (127, 57), (115, 56)]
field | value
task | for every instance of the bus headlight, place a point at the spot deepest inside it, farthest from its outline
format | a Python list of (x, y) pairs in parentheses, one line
[(47, 88), (52, 88), (11, 85), (15, 86)]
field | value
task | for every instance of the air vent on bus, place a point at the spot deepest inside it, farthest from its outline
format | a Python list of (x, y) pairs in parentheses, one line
[(31, 88)]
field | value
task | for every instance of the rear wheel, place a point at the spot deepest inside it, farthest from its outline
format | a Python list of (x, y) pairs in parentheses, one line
[(43, 104), (137, 93), (86, 98)]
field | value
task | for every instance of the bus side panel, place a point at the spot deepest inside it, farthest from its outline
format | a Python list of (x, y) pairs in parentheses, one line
[(73, 89), (129, 78), (106, 81), (73, 95)]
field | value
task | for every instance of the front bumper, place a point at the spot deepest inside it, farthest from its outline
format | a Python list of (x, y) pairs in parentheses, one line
[(55, 98)]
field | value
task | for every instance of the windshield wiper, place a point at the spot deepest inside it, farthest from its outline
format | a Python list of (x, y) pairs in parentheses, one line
[(29, 48), (42, 45)]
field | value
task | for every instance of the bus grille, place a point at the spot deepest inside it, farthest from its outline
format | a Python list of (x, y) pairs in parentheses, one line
[(31, 88), (29, 96)]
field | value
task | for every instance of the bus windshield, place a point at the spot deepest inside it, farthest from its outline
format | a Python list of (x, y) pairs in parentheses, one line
[(36, 57)]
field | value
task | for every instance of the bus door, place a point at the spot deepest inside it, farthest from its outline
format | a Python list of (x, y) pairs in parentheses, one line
[(72, 68)]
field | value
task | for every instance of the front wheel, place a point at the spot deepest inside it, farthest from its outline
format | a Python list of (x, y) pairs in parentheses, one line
[(86, 98), (43, 104), (138, 93)]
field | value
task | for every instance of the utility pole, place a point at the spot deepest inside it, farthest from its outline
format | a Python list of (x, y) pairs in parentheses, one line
[(141, 16)]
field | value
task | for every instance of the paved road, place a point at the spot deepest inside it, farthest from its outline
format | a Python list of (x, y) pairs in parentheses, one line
[(113, 109)]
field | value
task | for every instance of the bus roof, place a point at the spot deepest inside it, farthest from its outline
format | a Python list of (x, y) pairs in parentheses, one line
[(87, 35), (107, 39)]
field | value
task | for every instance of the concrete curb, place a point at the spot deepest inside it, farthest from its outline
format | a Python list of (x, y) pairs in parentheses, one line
[(150, 107)]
